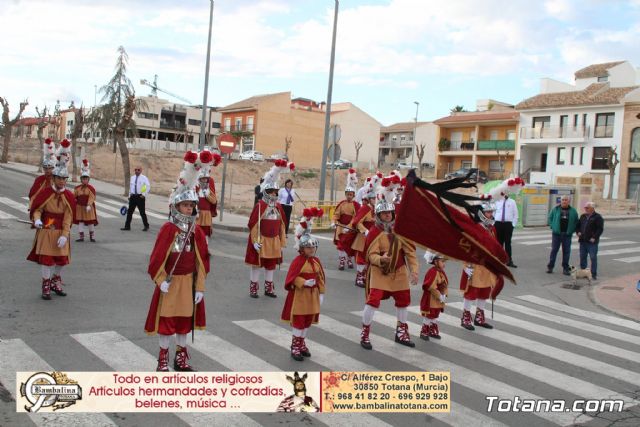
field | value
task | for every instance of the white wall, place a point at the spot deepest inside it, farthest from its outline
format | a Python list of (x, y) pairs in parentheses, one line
[(356, 125), (548, 85), (623, 75), (427, 134)]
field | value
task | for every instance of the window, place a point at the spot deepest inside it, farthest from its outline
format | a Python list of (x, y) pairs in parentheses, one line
[(150, 116), (581, 156), (194, 122), (394, 138), (575, 120), (560, 156), (495, 166), (584, 119), (215, 125), (493, 135), (573, 153), (238, 123), (564, 123), (603, 79), (604, 125), (227, 125), (511, 135), (599, 159), (540, 122), (465, 164), (250, 123), (634, 155), (402, 138)]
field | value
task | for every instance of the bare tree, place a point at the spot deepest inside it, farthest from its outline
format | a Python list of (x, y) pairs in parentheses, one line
[(8, 125), (288, 140), (119, 136), (612, 164), (358, 145), (420, 154), (43, 122), (501, 160), (75, 134)]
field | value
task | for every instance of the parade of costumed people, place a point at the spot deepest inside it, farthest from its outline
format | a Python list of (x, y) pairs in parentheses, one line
[(342, 217), (267, 232), (178, 266), (360, 225), (52, 210), (434, 297), (86, 216), (305, 285), (48, 164), (392, 268), (206, 188)]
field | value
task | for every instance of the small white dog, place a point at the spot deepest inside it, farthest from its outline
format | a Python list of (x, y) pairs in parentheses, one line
[(580, 273)]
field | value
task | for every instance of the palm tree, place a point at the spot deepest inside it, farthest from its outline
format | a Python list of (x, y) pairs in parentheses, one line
[(458, 109)]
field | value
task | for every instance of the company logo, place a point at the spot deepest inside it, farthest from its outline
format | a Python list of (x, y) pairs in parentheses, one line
[(55, 389)]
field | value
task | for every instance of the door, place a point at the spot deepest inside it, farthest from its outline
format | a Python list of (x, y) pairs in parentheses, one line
[(633, 184), (543, 162)]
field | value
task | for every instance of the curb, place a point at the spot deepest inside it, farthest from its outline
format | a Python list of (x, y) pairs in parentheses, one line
[(592, 297)]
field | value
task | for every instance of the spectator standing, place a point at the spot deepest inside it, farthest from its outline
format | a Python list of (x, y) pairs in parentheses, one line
[(506, 217), (563, 220), (139, 187), (258, 192), (286, 196), (589, 231)]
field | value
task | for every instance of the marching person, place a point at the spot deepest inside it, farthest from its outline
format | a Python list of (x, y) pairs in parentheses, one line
[(139, 187), (435, 289), (342, 217), (206, 189), (563, 220), (52, 211), (362, 222), (286, 196), (178, 266), (589, 231), (506, 216), (392, 267), (85, 194), (48, 164), (477, 283), (267, 236), (305, 286)]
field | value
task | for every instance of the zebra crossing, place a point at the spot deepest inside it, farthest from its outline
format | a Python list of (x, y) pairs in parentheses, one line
[(18, 209), (539, 349), (543, 237)]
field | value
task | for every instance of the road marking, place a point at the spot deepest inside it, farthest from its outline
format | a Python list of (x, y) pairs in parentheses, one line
[(618, 251), (619, 242), (335, 360), (147, 211), (515, 340), (22, 207), (632, 259), (539, 373), (5, 215), (17, 356), (618, 321), (579, 324), (545, 242), (466, 377), (123, 355), (100, 212)]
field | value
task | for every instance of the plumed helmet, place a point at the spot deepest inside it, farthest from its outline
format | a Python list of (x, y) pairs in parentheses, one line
[(352, 181), (272, 177), (184, 190), (432, 257), (62, 156), (303, 237), (48, 154), (85, 169)]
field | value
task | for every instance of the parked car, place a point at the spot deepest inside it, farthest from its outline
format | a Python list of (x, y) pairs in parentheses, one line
[(278, 156), (476, 176), (254, 156), (405, 165), (340, 164)]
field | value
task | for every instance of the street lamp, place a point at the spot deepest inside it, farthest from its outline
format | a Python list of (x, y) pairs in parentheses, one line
[(415, 128), (206, 83)]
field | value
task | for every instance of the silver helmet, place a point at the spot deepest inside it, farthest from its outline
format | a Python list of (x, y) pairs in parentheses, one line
[(48, 154), (185, 190), (62, 154), (308, 241), (486, 207), (349, 189)]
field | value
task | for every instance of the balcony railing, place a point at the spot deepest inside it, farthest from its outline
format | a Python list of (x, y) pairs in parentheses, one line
[(603, 132), (172, 125), (496, 144), (240, 129), (462, 146), (554, 132)]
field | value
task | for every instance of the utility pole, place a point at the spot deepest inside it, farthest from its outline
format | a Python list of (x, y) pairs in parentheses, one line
[(327, 120), (203, 121), (415, 129)]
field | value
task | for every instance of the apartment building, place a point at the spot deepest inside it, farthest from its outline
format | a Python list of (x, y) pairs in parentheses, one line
[(568, 129), (397, 143), (485, 139)]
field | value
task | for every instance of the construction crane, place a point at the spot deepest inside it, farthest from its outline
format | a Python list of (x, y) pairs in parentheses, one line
[(154, 89)]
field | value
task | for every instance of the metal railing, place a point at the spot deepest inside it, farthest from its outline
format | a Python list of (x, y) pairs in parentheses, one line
[(554, 132), (462, 145), (496, 144), (603, 132)]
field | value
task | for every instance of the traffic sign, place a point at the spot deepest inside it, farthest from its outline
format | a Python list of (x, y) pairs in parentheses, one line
[(227, 143), (335, 132), (331, 154)]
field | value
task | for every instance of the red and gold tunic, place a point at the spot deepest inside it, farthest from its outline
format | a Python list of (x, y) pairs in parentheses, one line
[(271, 235), (435, 283), (482, 277), (42, 181), (55, 210), (85, 196), (301, 299), (207, 208), (363, 221), (396, 277), (343, 214), (171, 312)]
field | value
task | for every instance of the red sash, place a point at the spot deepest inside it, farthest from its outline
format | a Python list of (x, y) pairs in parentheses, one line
[(204, 204), (368, 224), (270, 227), (345, 219), (186, 263), (82, 200), (52, 220)]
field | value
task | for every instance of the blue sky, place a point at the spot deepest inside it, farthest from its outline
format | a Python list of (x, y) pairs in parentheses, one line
[(390, 53)]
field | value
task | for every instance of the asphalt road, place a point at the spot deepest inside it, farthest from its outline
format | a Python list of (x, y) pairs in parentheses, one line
[(535, 350)]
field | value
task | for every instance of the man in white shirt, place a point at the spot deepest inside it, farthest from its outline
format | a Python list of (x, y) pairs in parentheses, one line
[(139, 187), (506, 217), (286, 196)]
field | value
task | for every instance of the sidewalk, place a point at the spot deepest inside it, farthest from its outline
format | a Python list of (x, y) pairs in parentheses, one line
[(619, 295), (155, 203)]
